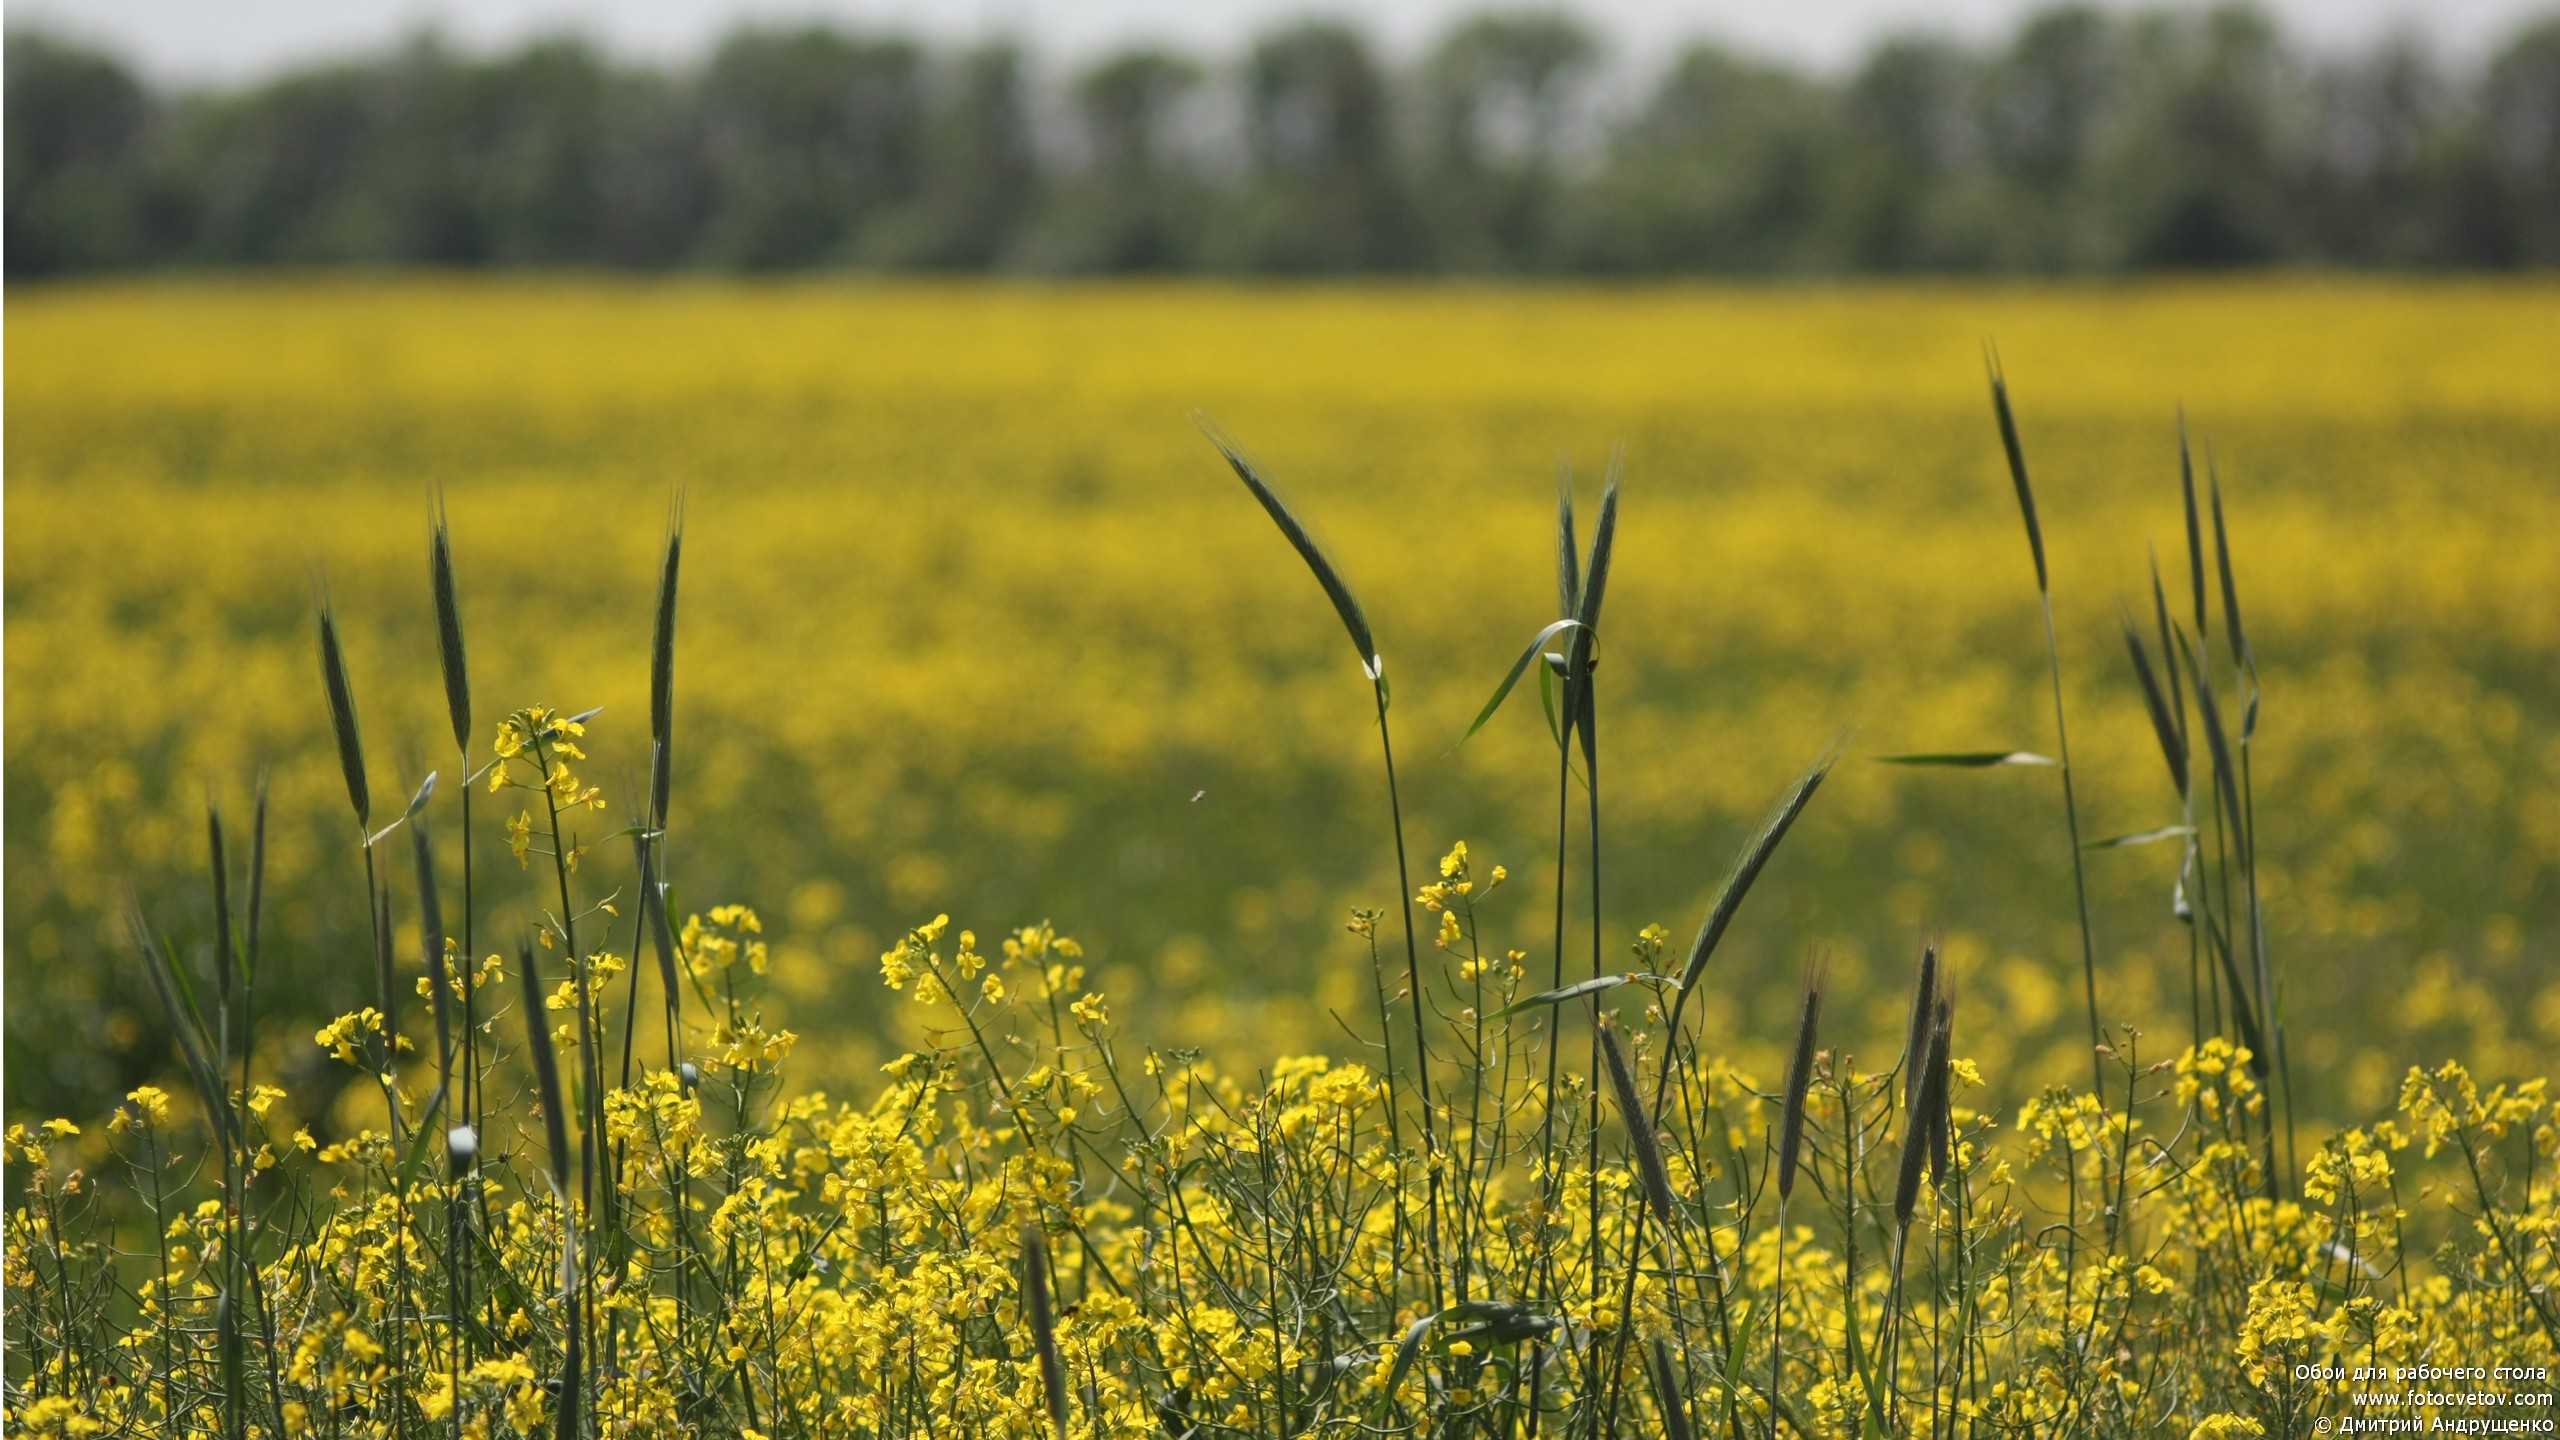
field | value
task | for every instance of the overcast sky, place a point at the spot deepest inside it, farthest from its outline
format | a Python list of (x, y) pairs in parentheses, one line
[(193, 40)]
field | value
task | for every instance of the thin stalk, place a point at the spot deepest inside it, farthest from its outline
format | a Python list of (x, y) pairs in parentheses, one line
[(1413, 982), (2079, 868), (2062, 737), (591, 1104)]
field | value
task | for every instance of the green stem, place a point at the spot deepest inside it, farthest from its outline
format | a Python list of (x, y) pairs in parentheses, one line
[(1413, 983)]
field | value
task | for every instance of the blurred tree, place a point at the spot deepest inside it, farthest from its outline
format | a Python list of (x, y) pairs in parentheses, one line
[(2392, 176), (1911, 137), (1500, 91), (2088, 141), (1136, 202), (809, 136), (534, 132), (78, 124), (294, 172), (2194, 171), (1727, 167), (2520, 121), (978, 178), (2044, 106), (1322, 195)]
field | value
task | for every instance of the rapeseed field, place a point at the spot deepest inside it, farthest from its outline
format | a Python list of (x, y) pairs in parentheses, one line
[(877, 601), (974, 623)]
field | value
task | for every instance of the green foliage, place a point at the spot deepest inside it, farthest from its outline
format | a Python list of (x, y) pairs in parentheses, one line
[(2086, 141)]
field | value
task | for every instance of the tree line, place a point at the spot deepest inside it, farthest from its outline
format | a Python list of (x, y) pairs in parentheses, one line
[(2083, 142)]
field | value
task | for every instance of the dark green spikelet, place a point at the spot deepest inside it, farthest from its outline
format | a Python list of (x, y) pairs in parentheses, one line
[(1347, 605), (1666, 1393), (224, 961), (1581, 647), (2017, 467), (2195, 530), (662, 671), (2169, 658), (1754, 858), (2218, 745), (1568, 551), (546, 1067), (342, 716), (653, 915), (457, 667), (1622, 1082), (1799, 1082), (1924, 997), (1044, 1326), (1915, 1127), (2155, 701), (2239, 637), (1941, 1119), (2223, 562), (1595, 577)]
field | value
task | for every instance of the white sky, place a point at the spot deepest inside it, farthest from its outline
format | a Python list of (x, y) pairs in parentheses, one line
[(208, 40)]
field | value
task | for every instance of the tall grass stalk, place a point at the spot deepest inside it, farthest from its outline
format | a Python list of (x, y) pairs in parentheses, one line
[(1581, 710), (2061, 729), (2245, 669), (1355, 622)]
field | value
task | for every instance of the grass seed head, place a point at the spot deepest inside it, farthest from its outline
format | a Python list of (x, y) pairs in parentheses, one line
[(1799, 1079), (1924, 995), (662, 672), (2017, 467), (1648, 1146), (1932, 1097), (546, 1066), (1354, 620), (1941, 1117), (1044, 1325), (1568, 553), (1666, 1393), (1753, 858), (449, 649), (342, 716)]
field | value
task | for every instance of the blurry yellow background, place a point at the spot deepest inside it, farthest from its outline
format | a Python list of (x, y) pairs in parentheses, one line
[(973, 620)]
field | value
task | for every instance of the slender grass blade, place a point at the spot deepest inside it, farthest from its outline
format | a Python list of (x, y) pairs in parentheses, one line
[(1044, 1326), (1354, 620), (1754, 858), (2140, 837), (1568, 551), (1520, 667), (1574, 991), (2164, 724), (449, 648), (1970, 759), (1622, 1085), (2018, 468), (1799, 1081), (342, 716), (662, 673)]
